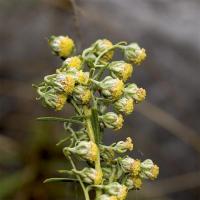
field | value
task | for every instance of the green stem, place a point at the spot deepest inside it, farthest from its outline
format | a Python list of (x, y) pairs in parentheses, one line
[(90, 129), (87, 197)]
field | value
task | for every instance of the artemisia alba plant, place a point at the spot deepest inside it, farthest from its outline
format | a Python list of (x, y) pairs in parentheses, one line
[(96, 87)]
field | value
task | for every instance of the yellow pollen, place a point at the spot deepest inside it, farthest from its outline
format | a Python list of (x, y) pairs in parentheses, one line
[(128, 108), (118, 89), (74, 62), (123, 193), (60, 102), (93, 152), (68, 84), (83, 78), (141, 55), (129, 144), (137, 183), (136, 167), (154, 172), (119, 122), (127, 72), (66, 46), (86, 96), (141, 94)]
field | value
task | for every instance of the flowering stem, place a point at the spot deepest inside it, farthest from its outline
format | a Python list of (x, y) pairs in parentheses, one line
[(90, 129)]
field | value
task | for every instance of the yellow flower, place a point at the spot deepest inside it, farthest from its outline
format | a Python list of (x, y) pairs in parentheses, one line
[(93, 152), (117, 89), (83, 77), (122, 193), (140, 95), (73, 62), (86, 96), (103, 45), (60, 101), (66, 46), (129, 106), (133, 53), (127, 72), (119, 122), (129, 144), (141, 55), (136, 167), (68, 84), (137, 182), (154, 172)]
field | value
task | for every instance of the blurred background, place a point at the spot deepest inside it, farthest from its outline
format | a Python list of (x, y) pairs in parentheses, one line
[(165, 127)]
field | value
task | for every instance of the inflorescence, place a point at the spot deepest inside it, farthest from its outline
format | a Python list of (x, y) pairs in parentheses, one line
[(97, 89)]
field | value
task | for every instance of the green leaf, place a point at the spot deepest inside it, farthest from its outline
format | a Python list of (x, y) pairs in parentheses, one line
[(59, 119), (60, 180), (95, 124)]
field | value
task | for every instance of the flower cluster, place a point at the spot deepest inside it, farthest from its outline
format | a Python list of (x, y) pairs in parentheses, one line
[(96, 86)]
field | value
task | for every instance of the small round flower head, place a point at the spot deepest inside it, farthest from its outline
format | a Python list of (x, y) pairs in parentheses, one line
[(121, 69), (149, 170), (90, 175), (111, 88), (82, 94), (61, 45), (116, 189), (53, 99), (125, 105), (123, 146), (136, 167), (74, 62), (67, 82), (130, 165), (101, 46), (112, 120), (138, 94), (60, 102), (134, 54), (106, 197), (137, 183), (83, 77), (85, 149), (127, 163)]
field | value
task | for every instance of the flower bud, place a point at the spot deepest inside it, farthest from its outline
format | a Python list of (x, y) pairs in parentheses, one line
[(89, 175), (125, 105), (133, 183), (127, 164), (111, 88), (101, 46), (74, 62), (86, 150), (134, 54), (82, 94), (138, 94), (116, 189), (149, 170), (122, 147), (137, 183), (121, 69), (106, 197), (66, 82), (130, 165), (52, 98), (112, 120), (63, 46)]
